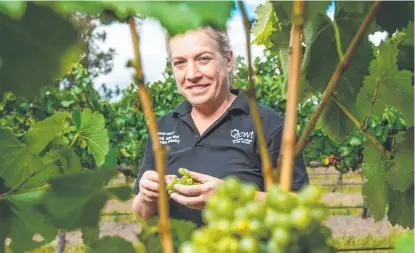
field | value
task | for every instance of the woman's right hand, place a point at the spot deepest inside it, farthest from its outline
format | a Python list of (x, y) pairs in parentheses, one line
[(149, 185)]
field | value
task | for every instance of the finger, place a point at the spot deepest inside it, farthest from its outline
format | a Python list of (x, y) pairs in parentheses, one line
[(189, 190), (186, 200), (199, 177), (150, 185), (169, 178), (153, 176), (149, 196)]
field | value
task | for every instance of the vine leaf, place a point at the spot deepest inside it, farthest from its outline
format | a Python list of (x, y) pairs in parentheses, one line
[(375, 169), (393, 86), (401, 208), (59, 161), (92, 129), (90, 235), (16, 161), (319, 64), (187, 14), (25, 221), (14, 9), (112, 244), (355, 6), (72, 206), (41, 44), (401, 175), (265, 24), (41, 133)]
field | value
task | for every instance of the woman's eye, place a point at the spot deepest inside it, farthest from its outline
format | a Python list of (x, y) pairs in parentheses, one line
[(205, 58), (177, 63)]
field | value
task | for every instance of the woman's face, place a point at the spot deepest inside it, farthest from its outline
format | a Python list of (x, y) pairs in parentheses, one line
[(200, 70)]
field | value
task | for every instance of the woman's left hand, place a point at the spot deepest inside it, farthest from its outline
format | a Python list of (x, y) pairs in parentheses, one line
[(195, 196)]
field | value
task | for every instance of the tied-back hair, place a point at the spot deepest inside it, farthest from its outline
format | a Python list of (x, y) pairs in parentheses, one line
[(221, 38)]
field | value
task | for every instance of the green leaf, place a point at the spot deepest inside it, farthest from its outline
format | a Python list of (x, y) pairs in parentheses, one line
[(75, 201), (187, 14), (110, 160), (25, 221), (14, 9), (404, 243), (41, 133), (16, 162), (401, 208), (122, 193), (110, 244), (76, 116), (90, 235), (393, 15), (59, 161), (375, 169), (265, 24), (321, 60), (35, 50), (352, 6), (401, 175), (389, 83), (92, 130)]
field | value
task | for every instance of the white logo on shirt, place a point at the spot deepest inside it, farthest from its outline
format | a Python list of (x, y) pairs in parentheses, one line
[(168, 137), (242, 137)]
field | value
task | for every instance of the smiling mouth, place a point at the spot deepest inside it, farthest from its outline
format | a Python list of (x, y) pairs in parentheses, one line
[(198, 87)]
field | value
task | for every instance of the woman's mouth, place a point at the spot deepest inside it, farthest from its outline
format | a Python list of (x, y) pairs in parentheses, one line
[(198, 89)]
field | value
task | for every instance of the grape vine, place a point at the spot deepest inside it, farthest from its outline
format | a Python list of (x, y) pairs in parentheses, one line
[(355, 111)]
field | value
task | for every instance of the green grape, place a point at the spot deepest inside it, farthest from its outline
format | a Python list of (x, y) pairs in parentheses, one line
[(281, 236), (284, 222), (186, 179), (248, 244)]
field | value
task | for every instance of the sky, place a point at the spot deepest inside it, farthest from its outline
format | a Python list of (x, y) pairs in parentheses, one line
[(153, 49)]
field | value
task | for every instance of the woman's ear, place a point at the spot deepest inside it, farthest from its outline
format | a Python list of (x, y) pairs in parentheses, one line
[(230, 61)]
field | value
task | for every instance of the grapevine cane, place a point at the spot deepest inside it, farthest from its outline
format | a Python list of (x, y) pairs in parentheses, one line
[(335, 78), (250, 92), (290, 121), (158, 149)]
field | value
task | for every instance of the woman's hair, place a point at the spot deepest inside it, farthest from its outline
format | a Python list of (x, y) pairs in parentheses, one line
[(222, 40)]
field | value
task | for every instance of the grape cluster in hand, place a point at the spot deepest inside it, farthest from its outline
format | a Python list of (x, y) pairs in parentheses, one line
[(186, 179), (284, 222)]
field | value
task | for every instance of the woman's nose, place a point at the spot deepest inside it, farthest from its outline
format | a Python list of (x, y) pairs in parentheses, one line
[(192, 71)]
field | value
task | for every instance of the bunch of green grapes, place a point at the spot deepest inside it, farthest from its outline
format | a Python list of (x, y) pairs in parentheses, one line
[(186, 179), (284, 222)]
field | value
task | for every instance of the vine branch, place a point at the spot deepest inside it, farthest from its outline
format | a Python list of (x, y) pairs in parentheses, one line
[(287, 155), (159, 150), (375, 94), (250, 92), (372, 138), (335, 78)]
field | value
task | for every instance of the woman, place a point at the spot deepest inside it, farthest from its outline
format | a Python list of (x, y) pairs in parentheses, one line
[(211, 133)]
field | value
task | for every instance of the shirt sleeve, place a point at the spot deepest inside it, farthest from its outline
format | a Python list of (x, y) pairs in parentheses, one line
[(300, 176), (147, 164)]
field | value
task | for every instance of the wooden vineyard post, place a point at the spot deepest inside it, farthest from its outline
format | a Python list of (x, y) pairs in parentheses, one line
[(159, 150), (287, 155)]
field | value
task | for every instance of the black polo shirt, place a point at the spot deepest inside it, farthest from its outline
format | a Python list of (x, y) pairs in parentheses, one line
[(228, 147)]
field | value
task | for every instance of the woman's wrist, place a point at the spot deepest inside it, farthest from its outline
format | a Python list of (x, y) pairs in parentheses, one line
[(143, 208)]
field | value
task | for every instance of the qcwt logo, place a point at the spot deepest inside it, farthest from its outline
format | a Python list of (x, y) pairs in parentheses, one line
[(242, 137)]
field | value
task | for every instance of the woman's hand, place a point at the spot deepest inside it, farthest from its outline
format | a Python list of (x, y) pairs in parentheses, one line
[(149, 185), (195, 196)]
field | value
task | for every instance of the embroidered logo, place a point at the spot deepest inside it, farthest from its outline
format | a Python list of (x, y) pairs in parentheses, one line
[(241, 137), (168, 137)]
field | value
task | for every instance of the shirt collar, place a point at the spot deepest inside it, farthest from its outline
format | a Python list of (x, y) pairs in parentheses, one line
[(240, 103)]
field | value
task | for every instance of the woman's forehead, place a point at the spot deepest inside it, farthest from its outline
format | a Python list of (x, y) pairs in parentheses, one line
[(192, 43)]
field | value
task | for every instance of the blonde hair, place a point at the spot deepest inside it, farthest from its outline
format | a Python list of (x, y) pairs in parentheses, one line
[(222, 40)]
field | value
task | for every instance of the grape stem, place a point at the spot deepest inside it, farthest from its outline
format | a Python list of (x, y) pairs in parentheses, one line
[(331, 87), (365, 122), (251, 94), (338, 41), (372, 138), (158, 149), (287, 155)]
